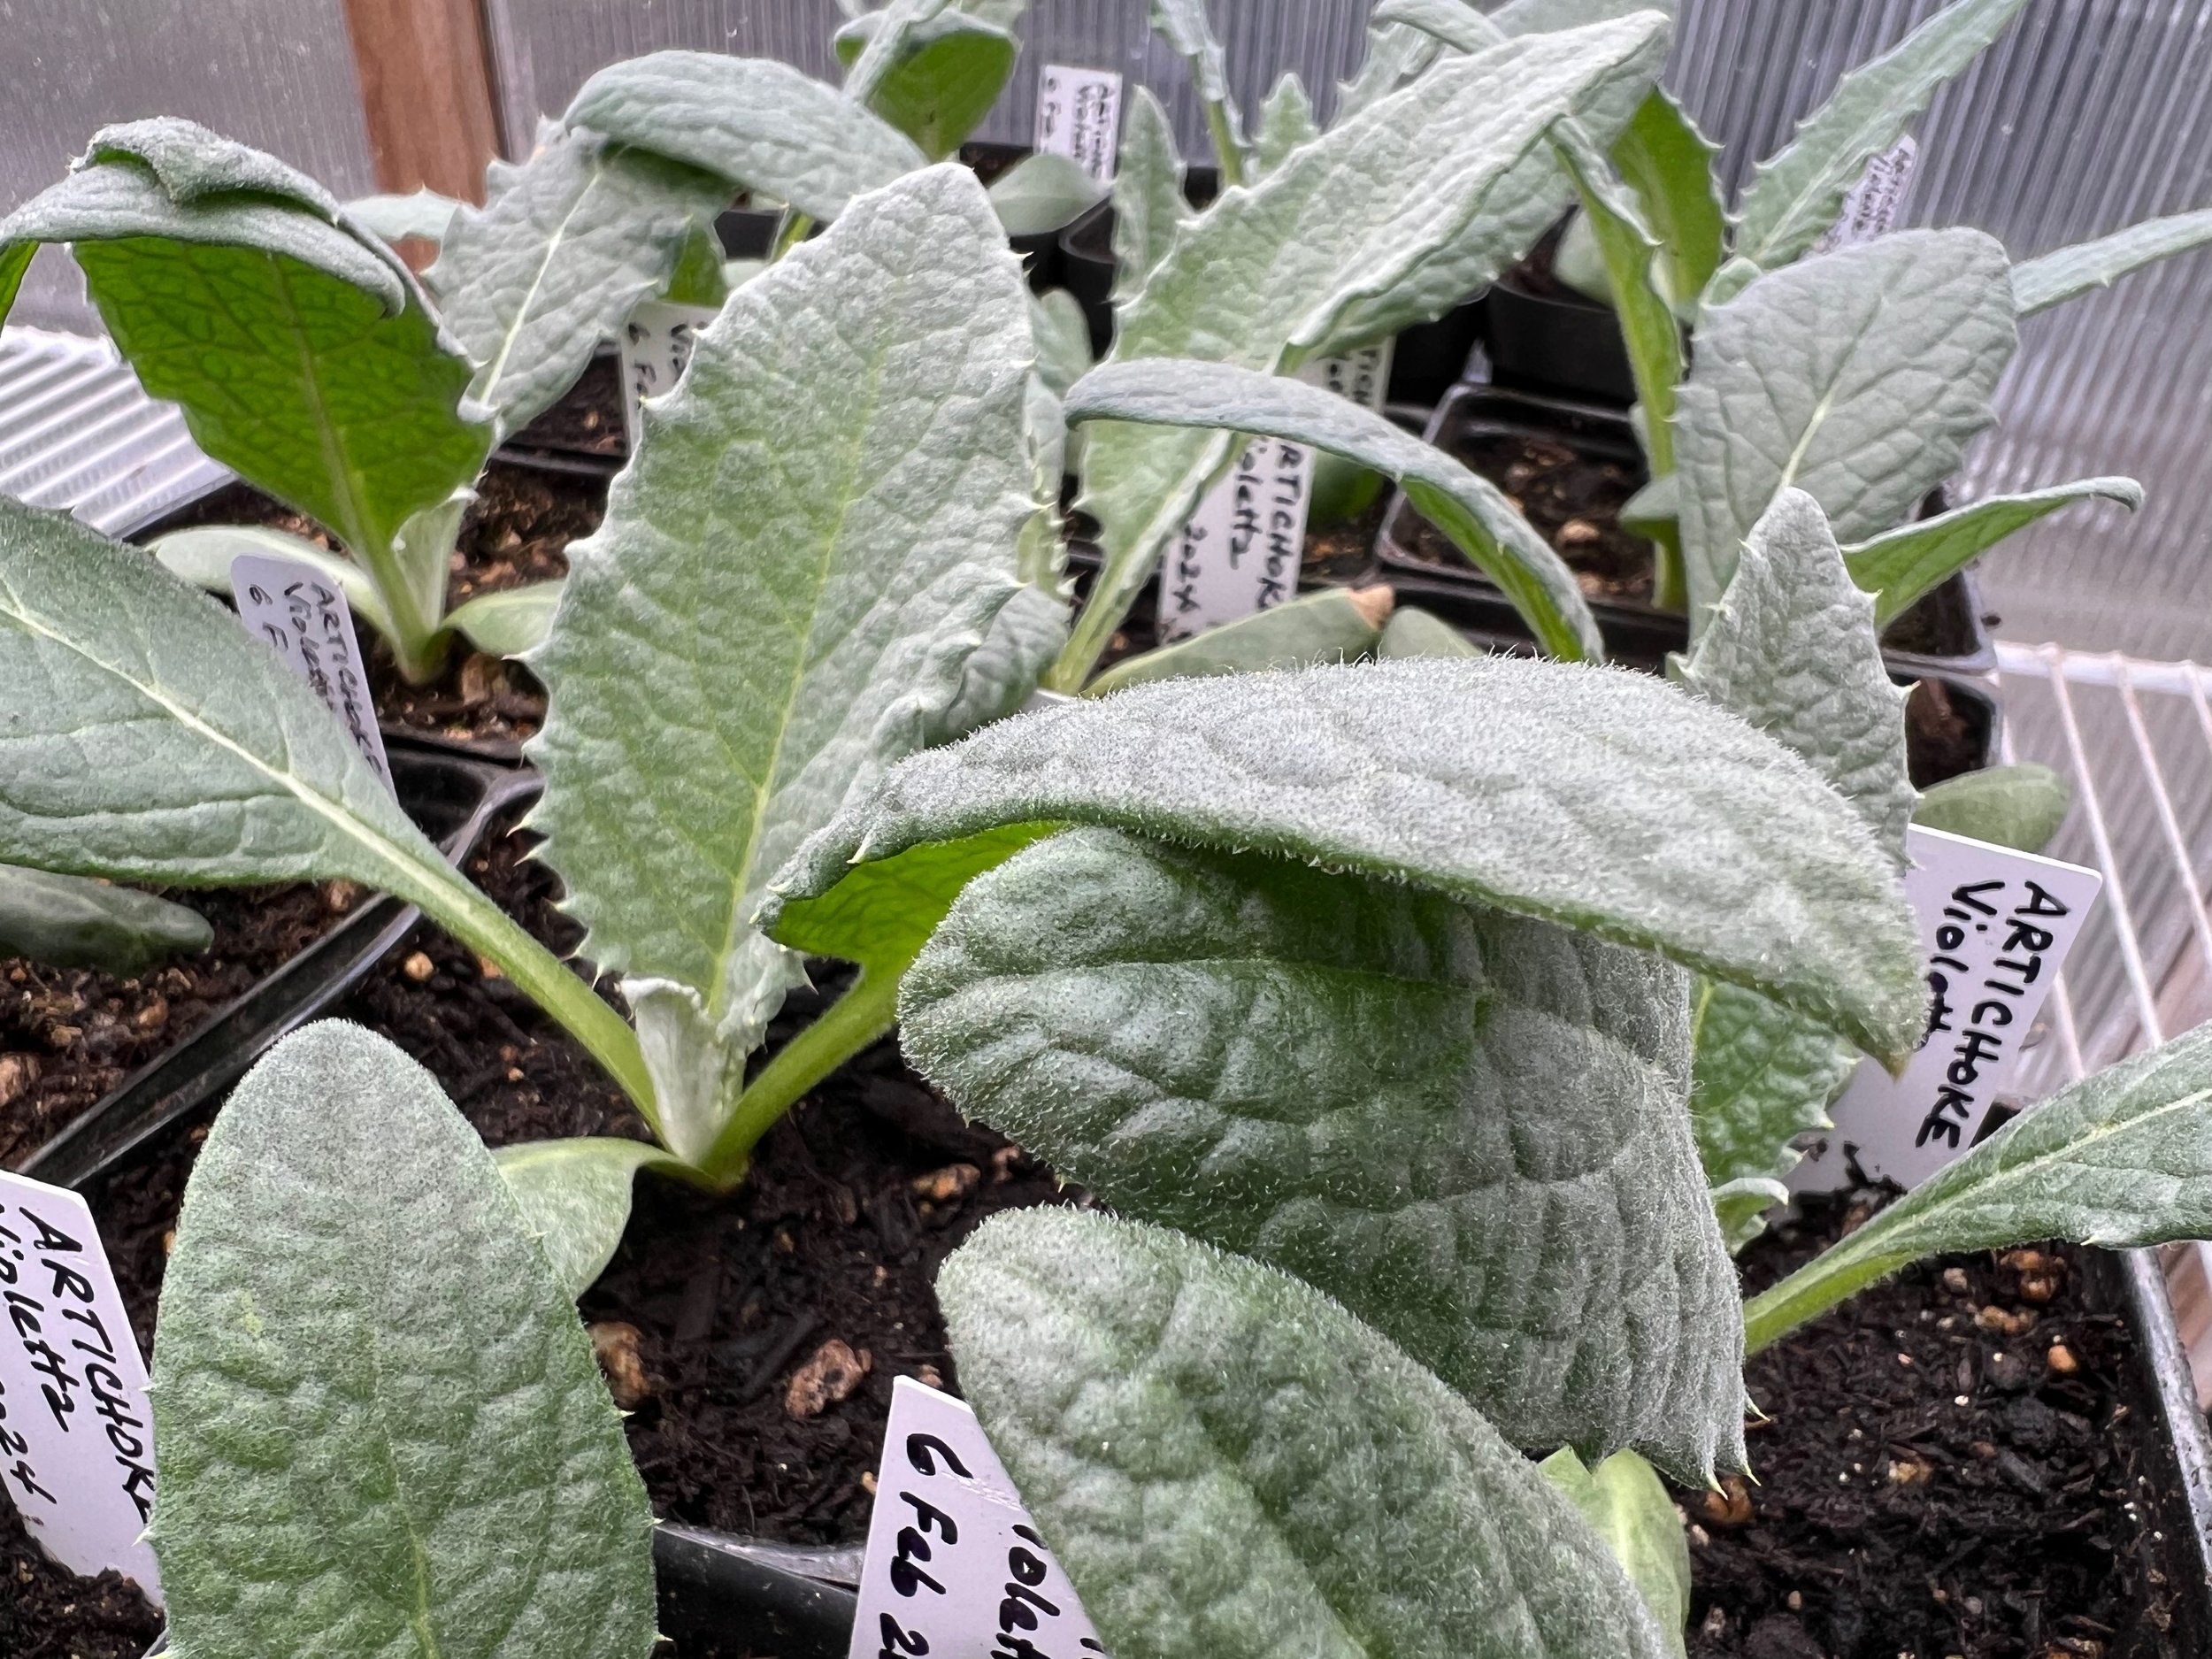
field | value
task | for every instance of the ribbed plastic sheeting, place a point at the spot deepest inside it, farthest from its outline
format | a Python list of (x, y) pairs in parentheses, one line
[(276, 73)]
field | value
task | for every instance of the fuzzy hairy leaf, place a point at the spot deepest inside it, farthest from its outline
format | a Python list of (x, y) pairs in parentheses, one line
[(760, 124), (202, 556), (821, 524), (1628, 1506), (509, 622), (1229, 1466), (1411, 632), (74, 922), (1183, 25), (1042, 192), (422, 214), (1467, 507), (1335, 625), (1761, 1076), (1543, 17), (1899, 565), (1147, 194), (1269, 275), (2068, 273), (1466, 1126), (1600, 799), (937, 78), (2124, 1157), (2021, 805), (382, 1428), (563, 247), (1857, 376), (574, 1195), (1397, 53), (1669, 164), (1287, 121), (1795, 196), (1741, 1206)]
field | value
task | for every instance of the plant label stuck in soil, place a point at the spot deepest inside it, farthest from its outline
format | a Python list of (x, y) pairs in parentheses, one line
[(76, 1437), (1995, 927), (1241, 551), (656, 349), (1872, 207), (1363, 376), (306, 617), (1078, 115), (955, 1568)]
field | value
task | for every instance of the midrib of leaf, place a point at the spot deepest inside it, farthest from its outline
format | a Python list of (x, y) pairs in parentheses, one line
[(717, 995), (1821, 412), (418, 1618), (488, 376)]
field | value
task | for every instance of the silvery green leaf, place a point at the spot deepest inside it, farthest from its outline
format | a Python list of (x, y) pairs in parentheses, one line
[(1597, 798), (1042, 192), (1455, 24), (1468, 1127), (1795, 195), (2124, 1157), (1899, 565), (1577, 260), (1229, 1466), (1269, 274), (1287, 121), (1857, 376), (152, 738), (1063, 339), (1335, 625), (382, 1428), (1147, 194), (1467, 507), (563, 250), (1397, 53), (1741, 1206), (760, 124), (75, 922), (1545, 16), (2021, 805), (828, 563), (508, 623), (1792, 649), (932, 71), (1629, 1507), (1024, 638), (299, 347), (202, 555), (2068, 273), (422, 214), (1762, 1075), (1669, 164), (574, 1195), (1184, 26), (1412, 632)]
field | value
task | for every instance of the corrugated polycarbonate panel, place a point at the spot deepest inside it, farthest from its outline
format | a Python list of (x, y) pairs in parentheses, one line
[(276, 73)]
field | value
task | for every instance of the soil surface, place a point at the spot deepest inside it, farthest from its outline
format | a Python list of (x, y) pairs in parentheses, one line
[(1946, 1468), (47, 1612), (516, 531), (587, 419)]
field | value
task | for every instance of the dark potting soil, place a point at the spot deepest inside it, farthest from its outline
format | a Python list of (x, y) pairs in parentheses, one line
[(69, 1035), (1343, 552), (587, 419), (1947, 1468), (516, 531), (47, 1612)]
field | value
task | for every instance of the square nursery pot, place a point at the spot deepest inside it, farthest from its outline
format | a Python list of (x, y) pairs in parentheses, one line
[(1571, 465), (1551, 340)]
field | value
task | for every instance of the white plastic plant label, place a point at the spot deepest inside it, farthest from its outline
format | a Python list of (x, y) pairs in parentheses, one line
[(656, 349), (1078, 115), (76, 1437), (1241, 551), (955, 1568), (1995, 927), (304, 615), (1363, 376), (1871, 207)]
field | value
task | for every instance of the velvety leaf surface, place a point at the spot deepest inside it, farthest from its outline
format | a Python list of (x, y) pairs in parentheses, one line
[(423, 214), (2124, 1157), (1286, 120), (563, 247), (1148, 192), (382, 1428), (1466, 506), (794, 573), (1595, 797), (2069, 271), (1230, 1467), (1796, 194), (509, 622), (1335, 625), (74, 922), (1761, 1074), (759, 124), (1412, 632), (1042, 192), (2020, 805), (1858, 377), (1899, 565), (574, 1195), (1468, 1127), (1397, 52), (1271, 273), (202, 556), (1628, 1506)]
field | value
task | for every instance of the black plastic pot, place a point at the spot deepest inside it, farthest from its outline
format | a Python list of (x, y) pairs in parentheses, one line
[(1944, 628), (1561, 344)]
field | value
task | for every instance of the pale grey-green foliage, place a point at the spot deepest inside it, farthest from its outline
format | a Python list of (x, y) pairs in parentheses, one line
[(1332, 625), (1041, 192), (510, 621), (1629, 1507), (2068, 271), (75, 922), (1183, 25), (564, 247), (1466, 506), (1763, 1074), (574, 1195), (1900, 565), (1541, 16), (1794, 195), (1468, 1127), (1286, 120), (2124, 1157), (1857, 376), (1271, 274), (2020, 805), (1229, 1466), (380, 1428), (1411, 632), (1024, 638), (1148, 192), (422, 214), (758, 124), (1602, 799), (817, 531), (201, 554), (1397, 52)]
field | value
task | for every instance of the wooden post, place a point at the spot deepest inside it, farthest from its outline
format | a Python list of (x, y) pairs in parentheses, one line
[(426, 93)]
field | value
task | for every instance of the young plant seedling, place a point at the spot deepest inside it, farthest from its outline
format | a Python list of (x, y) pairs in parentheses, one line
[(70, 922)]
